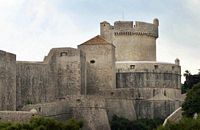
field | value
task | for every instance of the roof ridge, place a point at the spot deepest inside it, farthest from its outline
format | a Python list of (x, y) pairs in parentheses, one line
[(97, 40)]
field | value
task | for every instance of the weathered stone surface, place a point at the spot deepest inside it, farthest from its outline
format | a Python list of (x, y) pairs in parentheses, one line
[(120, 107), (133, 42), (61, 73), (16, 116), (90, 109), (7, 81), (100, 56), (155, 108)]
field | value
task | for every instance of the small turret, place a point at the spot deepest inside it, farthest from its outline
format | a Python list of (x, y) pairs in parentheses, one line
[(104, 26), (156, 22), (177, 61)]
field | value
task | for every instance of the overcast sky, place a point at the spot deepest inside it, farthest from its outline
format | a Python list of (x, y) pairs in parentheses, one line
[(30, 28)]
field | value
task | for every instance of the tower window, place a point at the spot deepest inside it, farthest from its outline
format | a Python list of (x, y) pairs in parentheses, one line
[(173, 67), (165, 93), (154, 92), (92, 61), (63, 54), (132, 66), (156, 66)]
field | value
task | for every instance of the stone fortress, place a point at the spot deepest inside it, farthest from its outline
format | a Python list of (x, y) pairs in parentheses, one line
[(115, 72)]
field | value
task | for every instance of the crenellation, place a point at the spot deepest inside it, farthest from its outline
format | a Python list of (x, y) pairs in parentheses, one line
[(120, 25)]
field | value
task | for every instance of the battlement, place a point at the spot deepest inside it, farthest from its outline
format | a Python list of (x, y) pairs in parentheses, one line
[(123, 25), (131, 28)]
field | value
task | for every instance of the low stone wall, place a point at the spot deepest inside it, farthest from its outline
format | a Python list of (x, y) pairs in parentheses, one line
[(91, 109), (59, 110), (16, 116)]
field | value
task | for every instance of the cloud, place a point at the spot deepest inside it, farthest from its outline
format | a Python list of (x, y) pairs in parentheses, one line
[(193, 6), (31, 28)]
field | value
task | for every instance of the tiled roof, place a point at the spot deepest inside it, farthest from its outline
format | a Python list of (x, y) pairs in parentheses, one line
[(98, 40)]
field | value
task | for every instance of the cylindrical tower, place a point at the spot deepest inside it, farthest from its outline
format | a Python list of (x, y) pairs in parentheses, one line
[(133, 42)]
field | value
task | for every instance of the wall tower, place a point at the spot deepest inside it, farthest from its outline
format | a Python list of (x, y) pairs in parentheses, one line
[(134, 41)]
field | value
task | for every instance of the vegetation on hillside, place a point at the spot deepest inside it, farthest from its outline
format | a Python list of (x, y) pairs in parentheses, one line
[(183, 124), (41, 123), (190, 107), (192, 101), (119, 123)]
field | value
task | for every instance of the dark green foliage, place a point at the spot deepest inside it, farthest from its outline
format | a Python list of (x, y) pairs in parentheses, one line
[(184, 88), (119, 123), (41, 123), (190, 81), (183, 124), (192, 101)]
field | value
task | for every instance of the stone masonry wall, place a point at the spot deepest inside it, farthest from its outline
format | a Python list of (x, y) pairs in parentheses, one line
[(16, 116), (90, 109), (148, 74), (32, 83), (131, 39), (155, 108), (7, 81), (60, 74), (101, 67)]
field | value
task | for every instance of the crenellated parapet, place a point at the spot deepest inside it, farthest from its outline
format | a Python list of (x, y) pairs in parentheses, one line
[(130, 28), (131, 39), (139, 28)]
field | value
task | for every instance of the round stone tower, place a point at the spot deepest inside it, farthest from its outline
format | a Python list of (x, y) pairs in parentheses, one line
[(134, 41)]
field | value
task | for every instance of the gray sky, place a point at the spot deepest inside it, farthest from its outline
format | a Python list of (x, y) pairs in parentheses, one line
[(30, 28)]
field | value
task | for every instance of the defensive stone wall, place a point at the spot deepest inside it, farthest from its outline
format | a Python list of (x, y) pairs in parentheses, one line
[(62, 73), (33, 83), (122, 107), (7, 81), (157, 108), (141, 93), (90, 109), (16, 116), (136, 103), (58, 110), (132, 74)]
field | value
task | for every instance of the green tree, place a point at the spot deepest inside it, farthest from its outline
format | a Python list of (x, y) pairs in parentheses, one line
[(119, 123), (41, 123), (192, 101)]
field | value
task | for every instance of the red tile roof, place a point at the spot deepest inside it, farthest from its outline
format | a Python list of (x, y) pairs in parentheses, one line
[(98, 40)]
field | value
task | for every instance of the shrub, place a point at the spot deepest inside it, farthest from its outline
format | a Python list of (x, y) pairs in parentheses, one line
[(184, 124), (192, 101), (42, 123), (119, 123)]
